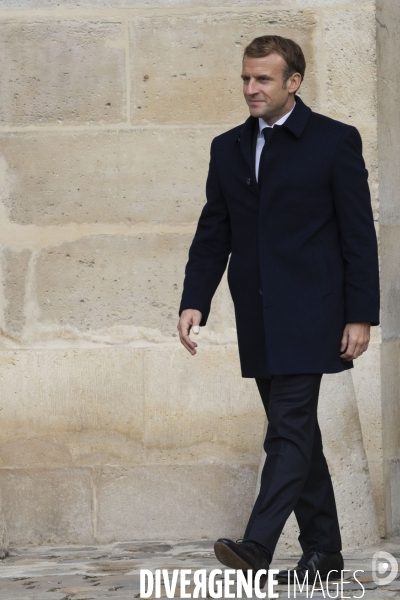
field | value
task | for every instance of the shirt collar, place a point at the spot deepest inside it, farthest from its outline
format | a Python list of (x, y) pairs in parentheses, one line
[(262, 124)]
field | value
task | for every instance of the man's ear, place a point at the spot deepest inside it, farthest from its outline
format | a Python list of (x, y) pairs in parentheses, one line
[(294, 82)]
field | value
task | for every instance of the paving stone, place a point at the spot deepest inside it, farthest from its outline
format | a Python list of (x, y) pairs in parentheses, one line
[(395, 585), (58, 582)]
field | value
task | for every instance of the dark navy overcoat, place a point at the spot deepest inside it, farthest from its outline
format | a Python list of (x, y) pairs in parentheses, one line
[(303, 256)]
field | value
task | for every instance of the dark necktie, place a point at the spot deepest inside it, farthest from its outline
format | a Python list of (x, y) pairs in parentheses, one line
[(267, 131)]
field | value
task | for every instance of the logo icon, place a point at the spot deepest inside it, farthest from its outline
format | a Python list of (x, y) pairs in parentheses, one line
[(384, 564)]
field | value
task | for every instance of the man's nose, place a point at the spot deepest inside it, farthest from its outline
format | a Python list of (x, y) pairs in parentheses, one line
[(252, 87)]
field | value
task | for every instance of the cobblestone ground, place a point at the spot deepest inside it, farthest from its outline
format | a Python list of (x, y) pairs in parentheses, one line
[(112, 571)]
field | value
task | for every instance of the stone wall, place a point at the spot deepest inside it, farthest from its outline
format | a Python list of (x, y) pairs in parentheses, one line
[(110, 430), (388, 45), (3, 533)]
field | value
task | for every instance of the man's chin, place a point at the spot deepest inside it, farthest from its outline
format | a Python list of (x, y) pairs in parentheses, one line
[(256, 112)]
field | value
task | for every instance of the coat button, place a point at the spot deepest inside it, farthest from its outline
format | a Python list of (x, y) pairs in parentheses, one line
[(260, 290), (248, 181)]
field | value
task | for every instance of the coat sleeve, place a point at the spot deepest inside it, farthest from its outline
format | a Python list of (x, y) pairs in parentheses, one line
[(209, 250), (358, 239)]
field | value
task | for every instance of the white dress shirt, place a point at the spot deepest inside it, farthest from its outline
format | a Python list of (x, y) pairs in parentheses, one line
[(260, 137)]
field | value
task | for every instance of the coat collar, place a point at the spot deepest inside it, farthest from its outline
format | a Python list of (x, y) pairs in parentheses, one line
[(298, 119), (295, 123)]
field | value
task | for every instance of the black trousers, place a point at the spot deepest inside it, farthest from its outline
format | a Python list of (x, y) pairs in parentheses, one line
[(295, 476)]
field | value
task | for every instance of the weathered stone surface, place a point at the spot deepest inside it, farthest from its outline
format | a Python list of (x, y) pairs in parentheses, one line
[(87, 407), (115, 281), (14, 266), (390, 281), (390, 374), (388, 48), (3, 532), (152, 502), (186, 68), (347, 462), (351, 64), (154, 175), (198, 408), (75, 407), (24, 4), (366, 377), (395, 495), (105, 280), (366, 381), (47, 505), (62, 71), (390, 403)]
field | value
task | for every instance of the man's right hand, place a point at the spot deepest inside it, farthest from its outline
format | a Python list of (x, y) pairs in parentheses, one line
[(189, 320)]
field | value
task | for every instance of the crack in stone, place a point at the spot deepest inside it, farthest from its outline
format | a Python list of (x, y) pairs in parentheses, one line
[(381, 24)]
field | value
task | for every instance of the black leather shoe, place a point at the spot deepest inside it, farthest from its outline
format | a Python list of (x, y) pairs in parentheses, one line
[(242, 555), (312, 561)]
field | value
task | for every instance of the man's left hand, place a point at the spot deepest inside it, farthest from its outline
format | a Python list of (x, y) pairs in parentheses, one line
[(355, 340)]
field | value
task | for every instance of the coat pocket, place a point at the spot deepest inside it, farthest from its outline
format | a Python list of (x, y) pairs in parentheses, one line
[(324, 280)]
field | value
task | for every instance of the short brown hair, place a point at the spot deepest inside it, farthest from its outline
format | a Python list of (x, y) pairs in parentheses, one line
[(275, 44)]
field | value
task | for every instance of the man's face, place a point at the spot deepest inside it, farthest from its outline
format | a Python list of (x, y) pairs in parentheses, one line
[(263, 88)]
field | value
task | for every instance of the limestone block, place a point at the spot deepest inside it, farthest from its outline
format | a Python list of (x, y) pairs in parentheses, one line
[(76, 406), (390, 399), (14, 267), (127, 282), (105, 280), (388, 48), (366, 377), (153, 175), (347, 462), (390, 406), (378, 476), (199, 408), (395, 495), (169, 502), (3, 533), (149, 4), (186, 68), (48, 506), (62, 71), (351, 64), (390, 281)]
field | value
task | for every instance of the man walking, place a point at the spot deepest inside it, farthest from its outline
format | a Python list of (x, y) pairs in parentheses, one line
[(288, 200)]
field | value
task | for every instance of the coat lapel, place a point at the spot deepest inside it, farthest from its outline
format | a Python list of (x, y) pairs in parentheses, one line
[(298, 119), (247, 137)]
